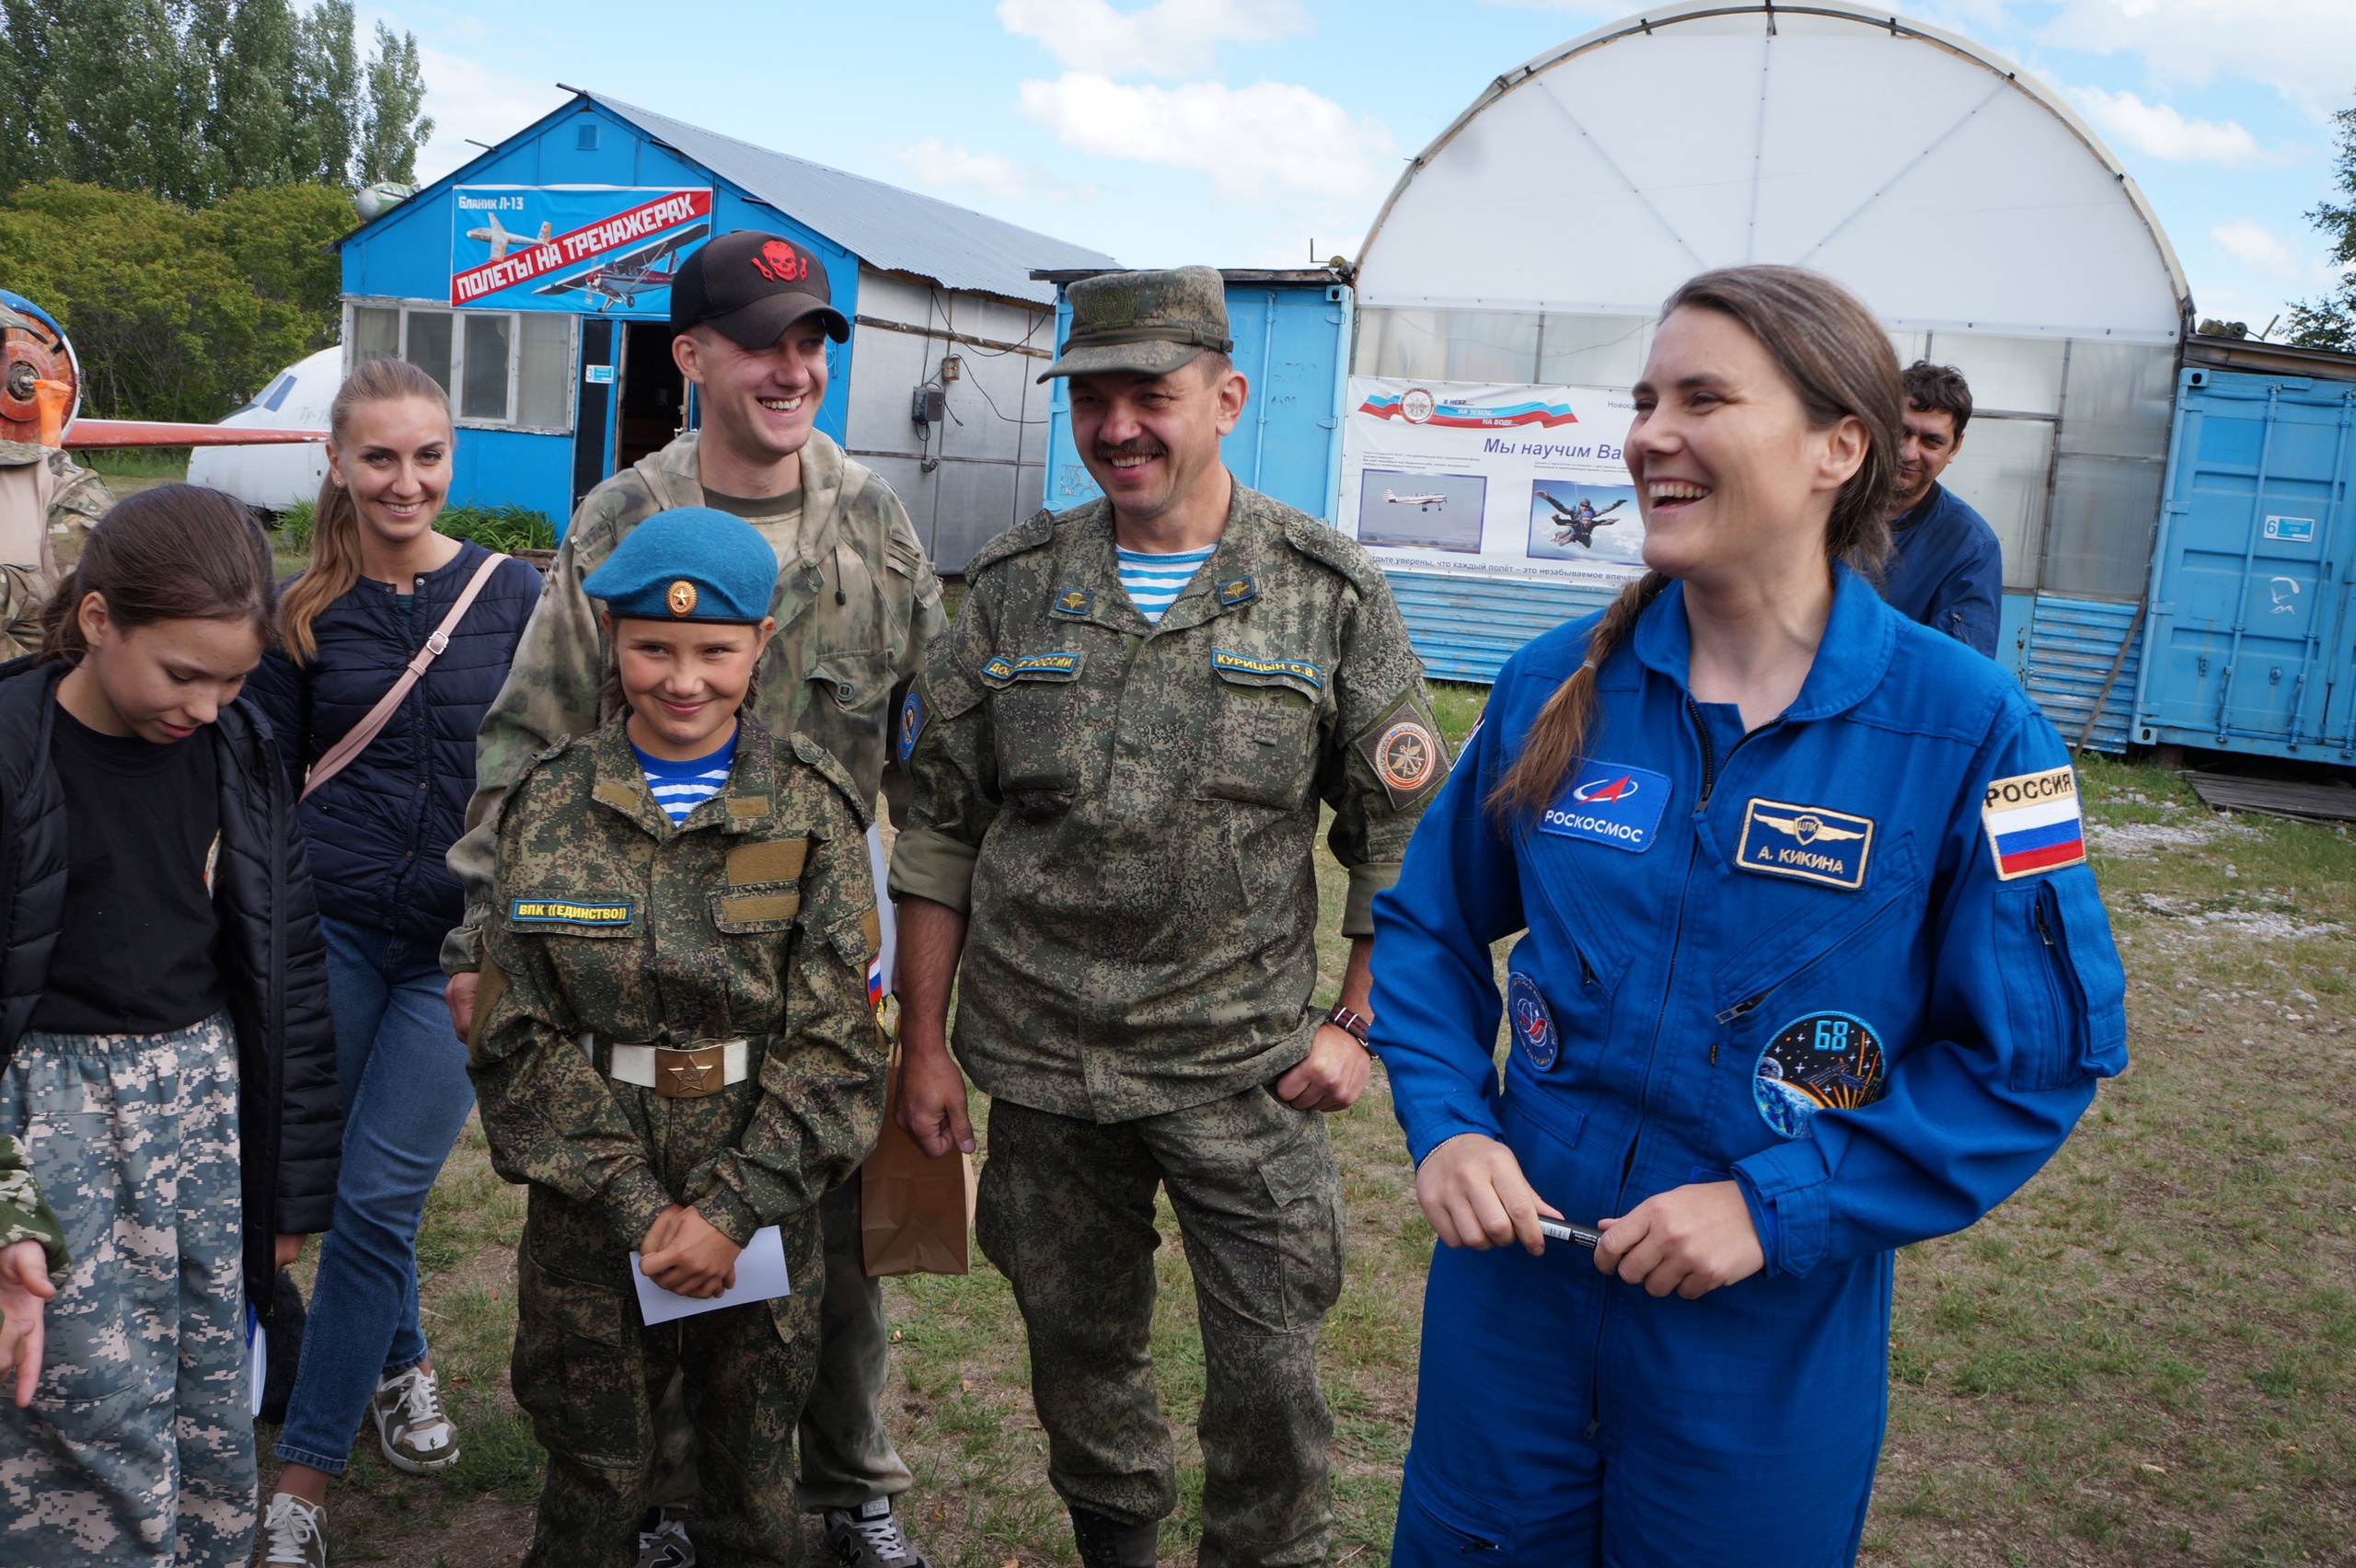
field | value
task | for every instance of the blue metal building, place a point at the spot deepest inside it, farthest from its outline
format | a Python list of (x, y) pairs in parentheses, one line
[(534, 284)]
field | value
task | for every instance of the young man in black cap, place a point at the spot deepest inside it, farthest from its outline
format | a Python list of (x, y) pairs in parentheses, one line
[(856, 602)]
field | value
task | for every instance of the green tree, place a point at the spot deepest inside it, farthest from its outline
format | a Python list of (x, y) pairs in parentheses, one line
[(2330, 322), (177, 314), (191, 99), (396, 125)]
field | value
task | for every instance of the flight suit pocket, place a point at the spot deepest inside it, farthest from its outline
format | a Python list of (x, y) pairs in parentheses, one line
[(1262, 744), (2064, 991), (1448, 1517)]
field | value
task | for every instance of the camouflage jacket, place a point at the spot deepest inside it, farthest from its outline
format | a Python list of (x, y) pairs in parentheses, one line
[(755, 917), (32, 555), (833, 672), (1129, 812), (24, 1213)]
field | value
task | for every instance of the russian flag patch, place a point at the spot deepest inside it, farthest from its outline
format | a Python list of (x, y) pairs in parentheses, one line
[(2033, 822)]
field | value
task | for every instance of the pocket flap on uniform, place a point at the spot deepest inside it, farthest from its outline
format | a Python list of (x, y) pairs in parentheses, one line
[(856, 681), (774, 859), (1305, 1169), (856, 939), (769, 906), (1257, 670)]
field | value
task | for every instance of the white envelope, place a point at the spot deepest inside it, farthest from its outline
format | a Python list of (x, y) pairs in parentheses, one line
[(760, 1276)]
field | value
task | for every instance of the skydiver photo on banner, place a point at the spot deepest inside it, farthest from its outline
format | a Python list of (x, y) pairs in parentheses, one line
[(1525, 481), (1570, 521), (574, 248)]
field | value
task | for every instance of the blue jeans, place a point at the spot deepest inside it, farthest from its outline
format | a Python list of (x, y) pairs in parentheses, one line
[(406, 1095)]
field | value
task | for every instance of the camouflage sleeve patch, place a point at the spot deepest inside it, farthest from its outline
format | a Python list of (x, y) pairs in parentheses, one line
[(1406, 752)]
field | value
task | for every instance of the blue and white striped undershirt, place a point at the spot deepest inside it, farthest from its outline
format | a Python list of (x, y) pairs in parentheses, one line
[(680, 787), (1154, 582)]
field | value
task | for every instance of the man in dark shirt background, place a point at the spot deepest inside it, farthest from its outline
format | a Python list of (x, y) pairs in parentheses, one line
[(1945, 568)]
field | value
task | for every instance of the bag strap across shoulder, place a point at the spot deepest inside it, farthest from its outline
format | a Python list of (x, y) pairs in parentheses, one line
[(355, 741)]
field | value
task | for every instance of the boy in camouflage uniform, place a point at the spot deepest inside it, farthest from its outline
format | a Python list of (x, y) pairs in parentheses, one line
[(856, 602), (1126, 804), (673, 1047)]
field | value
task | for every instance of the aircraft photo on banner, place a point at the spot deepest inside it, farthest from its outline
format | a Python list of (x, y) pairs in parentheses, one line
[(572, 246)]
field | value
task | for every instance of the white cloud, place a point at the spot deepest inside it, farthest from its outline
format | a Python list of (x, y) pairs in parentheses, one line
[(2258, 248), (1253, 142), (1170, 37), (938, 163), (2306, 48), (467, 98), (2157, 129)]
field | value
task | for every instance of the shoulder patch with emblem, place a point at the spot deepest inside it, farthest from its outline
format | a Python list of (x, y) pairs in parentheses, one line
[(1062, 664), (1812, 842), (2033, 822), (1407, 756), (911, 723), (1074, 603), (1237, 591), (1610, 803)]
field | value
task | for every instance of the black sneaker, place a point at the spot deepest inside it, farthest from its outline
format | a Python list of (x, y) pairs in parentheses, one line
[(1104, 1544), (869, 1537)]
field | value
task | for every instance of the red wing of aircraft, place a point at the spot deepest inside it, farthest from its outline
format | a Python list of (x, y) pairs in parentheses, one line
[(625, 277)]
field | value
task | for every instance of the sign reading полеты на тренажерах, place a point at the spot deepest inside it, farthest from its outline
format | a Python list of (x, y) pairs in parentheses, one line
[(572, 246), (1505, 480)]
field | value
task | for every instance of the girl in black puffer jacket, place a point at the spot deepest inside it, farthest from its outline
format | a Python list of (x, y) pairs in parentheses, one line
[(163, 1024), (380, 584)]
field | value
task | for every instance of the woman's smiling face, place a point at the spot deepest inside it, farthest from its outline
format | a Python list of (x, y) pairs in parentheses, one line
[(1729, 471), (394, 459)]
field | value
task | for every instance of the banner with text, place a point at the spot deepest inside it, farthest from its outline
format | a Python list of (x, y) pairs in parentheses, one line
[(1521, 481), (572, 248)]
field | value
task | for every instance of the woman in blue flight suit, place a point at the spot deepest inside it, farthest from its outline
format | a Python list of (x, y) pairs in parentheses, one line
[(1814, 969)]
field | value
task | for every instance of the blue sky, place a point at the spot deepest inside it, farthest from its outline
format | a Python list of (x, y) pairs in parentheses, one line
[(1237, 132)]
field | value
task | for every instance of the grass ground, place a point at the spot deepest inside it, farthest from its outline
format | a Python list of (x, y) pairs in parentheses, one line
[(2145, 1359)]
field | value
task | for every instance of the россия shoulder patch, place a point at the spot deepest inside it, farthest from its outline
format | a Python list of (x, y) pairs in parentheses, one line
[(2033, 822)]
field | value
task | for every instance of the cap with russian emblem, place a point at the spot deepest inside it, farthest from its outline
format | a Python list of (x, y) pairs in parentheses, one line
[(1145, 323), (691, 563)]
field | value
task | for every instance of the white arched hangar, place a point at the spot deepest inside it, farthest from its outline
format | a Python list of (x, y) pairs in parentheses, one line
[(1531, 244)]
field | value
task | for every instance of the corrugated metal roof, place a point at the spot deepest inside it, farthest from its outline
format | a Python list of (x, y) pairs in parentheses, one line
[(886, 227)]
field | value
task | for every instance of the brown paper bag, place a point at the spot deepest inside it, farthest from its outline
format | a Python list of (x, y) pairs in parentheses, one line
[(917, 1215)]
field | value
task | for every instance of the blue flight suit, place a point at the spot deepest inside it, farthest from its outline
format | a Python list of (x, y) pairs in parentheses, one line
[(1789, 958), (1946, 571)]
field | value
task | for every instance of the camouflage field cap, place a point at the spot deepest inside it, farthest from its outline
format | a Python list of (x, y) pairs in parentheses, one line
[(1147, 322)]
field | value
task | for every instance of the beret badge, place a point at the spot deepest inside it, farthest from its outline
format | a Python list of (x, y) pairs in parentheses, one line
[(682, 597)]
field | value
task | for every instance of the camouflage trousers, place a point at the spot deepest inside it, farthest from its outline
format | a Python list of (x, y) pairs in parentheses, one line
[(846, 1456), (590, 1374), (1067, 1213), (139, 1445)]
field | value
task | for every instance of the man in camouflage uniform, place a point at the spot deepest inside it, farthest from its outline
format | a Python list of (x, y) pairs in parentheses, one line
[(25, 1220), (48, 505), (674, 1033), (1127, 809), (856, 602)]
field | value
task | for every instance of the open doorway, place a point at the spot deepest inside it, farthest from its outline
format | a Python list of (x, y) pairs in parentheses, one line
[(653, 392)]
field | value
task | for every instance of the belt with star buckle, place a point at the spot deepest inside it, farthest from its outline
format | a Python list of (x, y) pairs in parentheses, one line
[(687, 1072)]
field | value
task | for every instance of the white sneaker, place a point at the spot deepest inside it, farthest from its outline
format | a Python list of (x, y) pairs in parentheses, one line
[(296, 1532), (666, 1546), (411, 1426)]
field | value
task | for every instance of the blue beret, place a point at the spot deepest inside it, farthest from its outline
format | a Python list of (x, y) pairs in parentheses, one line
[(691, 563)]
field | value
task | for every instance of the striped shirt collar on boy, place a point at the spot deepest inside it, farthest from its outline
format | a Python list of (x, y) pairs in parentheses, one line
[(1154, 582), (680, 787)]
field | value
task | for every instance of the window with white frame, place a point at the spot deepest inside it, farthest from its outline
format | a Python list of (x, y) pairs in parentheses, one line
[(506, 368)]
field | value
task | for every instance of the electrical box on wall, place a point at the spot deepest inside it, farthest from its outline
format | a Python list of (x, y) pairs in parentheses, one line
[(928, 406)]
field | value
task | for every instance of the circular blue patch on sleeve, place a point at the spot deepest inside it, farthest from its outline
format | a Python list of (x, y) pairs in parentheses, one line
[(1533, 1022), (911, 723), (1819, 1061)]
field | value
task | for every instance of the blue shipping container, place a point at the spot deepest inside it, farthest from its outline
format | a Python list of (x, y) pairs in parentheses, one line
[(2251, 646), (1292, 343)]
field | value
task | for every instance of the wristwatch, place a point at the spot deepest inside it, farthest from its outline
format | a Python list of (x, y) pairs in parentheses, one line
[(1350, 1022)]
